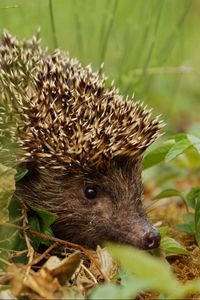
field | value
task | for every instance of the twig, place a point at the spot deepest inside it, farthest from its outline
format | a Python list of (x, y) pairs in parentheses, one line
[(54, 239), (30, 248), (37, 260), (89, 273), (44, 236), (15, 252), (5, 261)]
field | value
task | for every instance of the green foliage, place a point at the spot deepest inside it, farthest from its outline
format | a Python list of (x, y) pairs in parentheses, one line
[(197, 220), (129, 288), (192, 219), (7, 188), (155, 156), (170, 245), (171, 148), (20, 174), (183, 143), (11, 239), (150, 274), (168, 193), (176, 150), (41, 220), (193, 197)]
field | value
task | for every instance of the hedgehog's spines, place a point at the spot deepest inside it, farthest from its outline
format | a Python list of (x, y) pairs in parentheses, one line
[(62, 111)]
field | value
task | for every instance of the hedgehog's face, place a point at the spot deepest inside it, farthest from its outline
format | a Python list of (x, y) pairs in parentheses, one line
[(95, 206)]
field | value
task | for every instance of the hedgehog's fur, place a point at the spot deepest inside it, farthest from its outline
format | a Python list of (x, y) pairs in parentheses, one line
[(60, 113)]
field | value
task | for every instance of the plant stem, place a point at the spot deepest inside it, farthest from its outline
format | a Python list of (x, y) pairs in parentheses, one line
[(107, 35), (57, 240), (55, 42)]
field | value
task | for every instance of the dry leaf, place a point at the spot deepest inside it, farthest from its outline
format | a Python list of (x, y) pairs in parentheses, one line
[(38, 283), (71, 292), (6, 295), (106, 264), (63, 269)]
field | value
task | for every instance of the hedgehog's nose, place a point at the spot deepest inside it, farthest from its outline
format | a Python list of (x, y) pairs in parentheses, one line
[(151, 239)]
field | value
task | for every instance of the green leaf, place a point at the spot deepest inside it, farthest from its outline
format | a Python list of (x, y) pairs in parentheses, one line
[(170, 245), (40, 220), (197, 220), (188, 228), (156, 272), (155, 156), (129, 289), (108, 291), (177, 149), (191, 287), (195, 141), (11, 238), (163, 231), (47, 218), (188, 218), (178, 137), (7, 188), (193, 196), (20, 174), (34, 224), (168, 193)]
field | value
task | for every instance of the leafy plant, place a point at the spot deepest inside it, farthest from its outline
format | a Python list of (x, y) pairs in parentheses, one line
[(172, 147), (7, 188), (192, 219), (178, 149), (41, 221), (14, 211), (144, 273), (170, 245)]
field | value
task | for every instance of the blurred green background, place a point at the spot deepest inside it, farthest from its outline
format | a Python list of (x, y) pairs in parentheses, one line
[(150, 47)]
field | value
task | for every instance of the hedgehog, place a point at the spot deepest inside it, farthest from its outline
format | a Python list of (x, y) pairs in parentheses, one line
[(82, 143)]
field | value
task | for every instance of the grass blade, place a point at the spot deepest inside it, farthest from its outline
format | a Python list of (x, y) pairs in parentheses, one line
[(55, 42)]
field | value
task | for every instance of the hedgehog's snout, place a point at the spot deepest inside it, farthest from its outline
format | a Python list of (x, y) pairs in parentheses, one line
[(136, 231), (151, 239)]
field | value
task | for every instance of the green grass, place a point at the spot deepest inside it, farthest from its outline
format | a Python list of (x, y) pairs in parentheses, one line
[(143, 43)]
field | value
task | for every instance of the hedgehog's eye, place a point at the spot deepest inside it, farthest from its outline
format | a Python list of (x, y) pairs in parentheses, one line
[(90, 192)]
